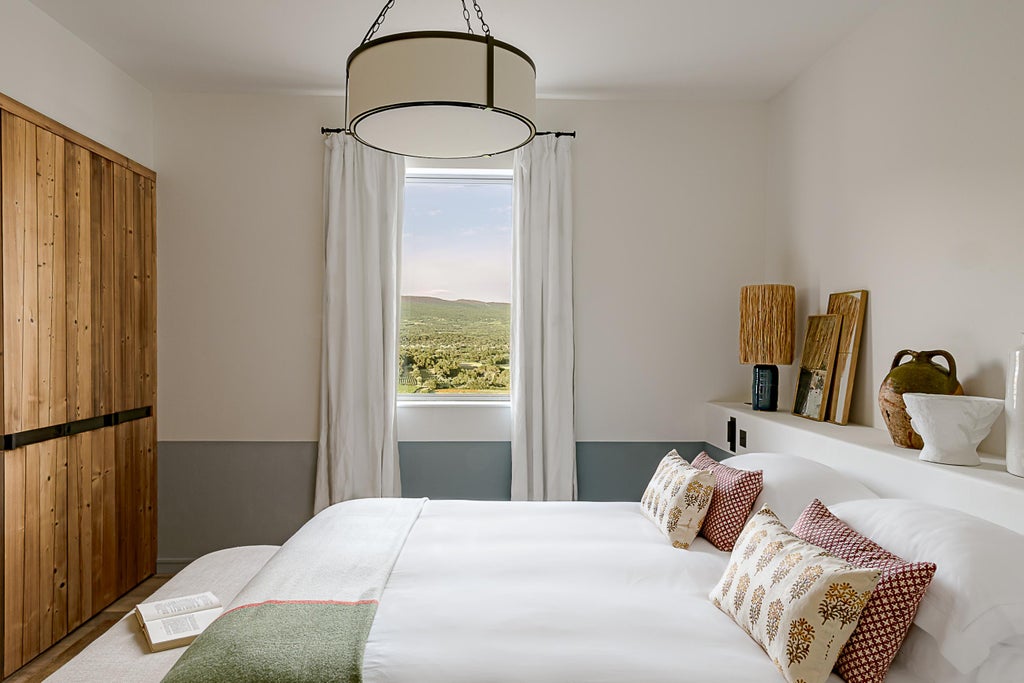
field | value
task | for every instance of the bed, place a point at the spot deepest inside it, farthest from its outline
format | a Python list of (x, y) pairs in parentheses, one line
[(545, 592)]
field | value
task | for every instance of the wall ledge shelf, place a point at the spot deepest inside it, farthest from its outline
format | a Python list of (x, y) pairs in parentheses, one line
[(869, 455)]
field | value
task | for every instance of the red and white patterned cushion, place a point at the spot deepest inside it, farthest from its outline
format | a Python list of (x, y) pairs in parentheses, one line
[(734, 496), (887, 617)]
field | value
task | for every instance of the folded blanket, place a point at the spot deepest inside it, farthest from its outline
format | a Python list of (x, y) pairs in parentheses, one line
[(306, 615)]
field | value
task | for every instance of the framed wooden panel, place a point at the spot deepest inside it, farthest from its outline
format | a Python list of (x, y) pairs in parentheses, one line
[(817, 363), (851, 307)]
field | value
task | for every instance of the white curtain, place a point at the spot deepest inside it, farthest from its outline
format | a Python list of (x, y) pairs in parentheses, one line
[(358, 451), (543, 436)]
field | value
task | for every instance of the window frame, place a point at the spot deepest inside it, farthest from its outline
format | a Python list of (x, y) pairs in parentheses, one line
[(482, 176)]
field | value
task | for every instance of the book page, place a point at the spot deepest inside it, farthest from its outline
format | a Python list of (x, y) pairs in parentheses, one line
[(184, 605), (182, 625)]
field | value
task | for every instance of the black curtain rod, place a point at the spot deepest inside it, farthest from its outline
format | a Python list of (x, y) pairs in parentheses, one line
[(556, 133)]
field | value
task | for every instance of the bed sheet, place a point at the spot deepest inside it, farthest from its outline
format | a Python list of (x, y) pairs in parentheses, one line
[(553, 593)]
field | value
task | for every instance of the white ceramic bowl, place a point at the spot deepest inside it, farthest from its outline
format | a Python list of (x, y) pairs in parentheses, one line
[(952, 426)]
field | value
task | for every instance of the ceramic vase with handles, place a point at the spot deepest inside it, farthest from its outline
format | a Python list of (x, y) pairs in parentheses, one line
[(920, 375), (1015, 412)]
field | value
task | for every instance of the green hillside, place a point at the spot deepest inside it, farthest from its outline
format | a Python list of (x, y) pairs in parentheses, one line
[(453, 346)]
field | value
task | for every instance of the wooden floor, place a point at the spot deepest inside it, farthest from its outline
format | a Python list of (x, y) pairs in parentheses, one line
[(73, 643)]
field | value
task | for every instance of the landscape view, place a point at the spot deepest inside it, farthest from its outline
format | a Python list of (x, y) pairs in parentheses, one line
[(456, 266), (453, 346)]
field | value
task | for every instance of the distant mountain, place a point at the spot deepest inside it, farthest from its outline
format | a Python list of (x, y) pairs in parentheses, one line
[(427, 313), (463, 303)]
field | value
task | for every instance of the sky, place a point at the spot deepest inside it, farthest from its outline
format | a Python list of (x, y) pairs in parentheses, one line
[(457, 241)]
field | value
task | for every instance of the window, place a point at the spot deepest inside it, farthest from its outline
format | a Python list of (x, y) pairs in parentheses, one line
[(456, 284)]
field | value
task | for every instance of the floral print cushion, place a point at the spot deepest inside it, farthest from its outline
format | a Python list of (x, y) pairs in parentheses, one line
[(677, 499), (797, 601)]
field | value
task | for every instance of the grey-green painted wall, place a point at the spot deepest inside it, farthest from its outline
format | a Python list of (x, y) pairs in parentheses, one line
[(220, 494)]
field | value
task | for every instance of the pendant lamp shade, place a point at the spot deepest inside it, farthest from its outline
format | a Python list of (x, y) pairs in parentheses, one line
[(441, 94)]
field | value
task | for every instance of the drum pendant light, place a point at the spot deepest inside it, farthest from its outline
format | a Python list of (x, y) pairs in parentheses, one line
[(440, 94)]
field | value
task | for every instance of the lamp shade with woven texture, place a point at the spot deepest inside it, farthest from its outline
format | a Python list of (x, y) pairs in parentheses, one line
[(767, 321)]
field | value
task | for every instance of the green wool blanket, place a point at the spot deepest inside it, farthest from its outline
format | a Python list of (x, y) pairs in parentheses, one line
[(305, 617)]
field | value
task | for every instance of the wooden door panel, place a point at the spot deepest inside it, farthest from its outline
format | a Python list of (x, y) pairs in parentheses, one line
[(14, 549), (50, 277), (108, 339), (80, 541), (79, 287), (13, 152)]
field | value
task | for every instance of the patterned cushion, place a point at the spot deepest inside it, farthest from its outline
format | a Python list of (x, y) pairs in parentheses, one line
[(797, 601), (677, 499), (890, 611), (734, 496)]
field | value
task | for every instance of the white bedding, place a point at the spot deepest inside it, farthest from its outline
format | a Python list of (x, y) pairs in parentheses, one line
[(555, 592), (511, 592)]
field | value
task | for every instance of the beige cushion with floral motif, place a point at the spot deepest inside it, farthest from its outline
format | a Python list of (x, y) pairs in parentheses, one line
[(800, 603), (678, 498)]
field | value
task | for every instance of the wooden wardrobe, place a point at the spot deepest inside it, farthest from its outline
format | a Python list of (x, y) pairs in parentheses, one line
[(77, 381)]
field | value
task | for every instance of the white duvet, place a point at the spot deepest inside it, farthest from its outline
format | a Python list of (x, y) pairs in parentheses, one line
[(509, 593), (552, 593)]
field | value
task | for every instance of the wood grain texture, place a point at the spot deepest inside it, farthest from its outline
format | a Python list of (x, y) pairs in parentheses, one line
[(78, 277), (42, 121), (62, 536), (80, 550), (12, 188), (62, 652), (14, 550), (108, 339)]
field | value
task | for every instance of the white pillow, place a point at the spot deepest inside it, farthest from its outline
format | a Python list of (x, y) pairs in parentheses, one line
[(920, 656), (975, 600), (792, 482)]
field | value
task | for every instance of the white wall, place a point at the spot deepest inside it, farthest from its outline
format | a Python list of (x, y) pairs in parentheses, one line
[(898, 167), (240, 263), (45, 66), (669, 224)]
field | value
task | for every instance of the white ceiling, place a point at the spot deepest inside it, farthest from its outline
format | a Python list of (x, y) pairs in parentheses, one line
[(653, 49)]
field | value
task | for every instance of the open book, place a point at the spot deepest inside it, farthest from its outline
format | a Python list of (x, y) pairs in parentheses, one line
[(177, 621)]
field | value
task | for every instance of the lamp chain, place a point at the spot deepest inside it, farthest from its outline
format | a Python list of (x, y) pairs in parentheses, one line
[(379, 21), (480, 16), (375, 26)]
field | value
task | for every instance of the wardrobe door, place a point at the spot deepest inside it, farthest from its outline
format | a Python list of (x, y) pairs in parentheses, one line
[(135, 319), (93, 534), (92, 504), (32, 167)]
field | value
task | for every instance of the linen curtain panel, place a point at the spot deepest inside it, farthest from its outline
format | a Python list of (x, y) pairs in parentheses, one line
[(357, 456), (542, 356)]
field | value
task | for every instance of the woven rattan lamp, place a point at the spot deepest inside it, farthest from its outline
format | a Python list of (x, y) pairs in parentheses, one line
[(767, 320)]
